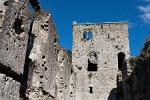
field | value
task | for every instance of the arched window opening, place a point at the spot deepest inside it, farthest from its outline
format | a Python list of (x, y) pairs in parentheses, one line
[(94, 57), (121, 59), (85, 35), (92, 66), (89, 35)]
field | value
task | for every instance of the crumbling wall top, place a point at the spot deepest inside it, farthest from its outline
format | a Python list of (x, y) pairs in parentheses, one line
[(87, 23)]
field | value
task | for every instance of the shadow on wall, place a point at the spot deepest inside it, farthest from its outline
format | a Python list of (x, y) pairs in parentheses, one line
[(113, 94)]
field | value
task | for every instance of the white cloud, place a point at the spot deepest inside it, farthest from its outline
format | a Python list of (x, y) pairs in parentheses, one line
[(146, 12)]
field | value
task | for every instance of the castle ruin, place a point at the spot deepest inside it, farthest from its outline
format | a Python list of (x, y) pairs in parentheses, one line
[(33, 66)]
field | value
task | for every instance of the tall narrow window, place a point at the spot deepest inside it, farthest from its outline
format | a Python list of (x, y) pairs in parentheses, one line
[(121, 59), (91, 89), (85, 35)]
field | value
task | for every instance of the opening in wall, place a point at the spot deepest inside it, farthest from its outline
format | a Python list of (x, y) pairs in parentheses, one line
[(121, 59), (17, 26), (87, 35), (91, 89), (92, 66)]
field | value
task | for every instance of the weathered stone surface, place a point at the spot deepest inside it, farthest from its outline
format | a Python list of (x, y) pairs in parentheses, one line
[(64, 73), (9, 88), (95, 58), (43, 57), (99, 67), (136, 87), (14, 28)]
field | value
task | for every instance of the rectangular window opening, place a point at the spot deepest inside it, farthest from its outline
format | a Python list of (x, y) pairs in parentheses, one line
[(91, 90)]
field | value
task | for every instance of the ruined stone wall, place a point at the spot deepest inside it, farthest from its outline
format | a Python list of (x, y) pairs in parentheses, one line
[(9, 88), (43, 56), (95, 58), (3, 7), (136, 86), (28, 52), (14, 27), (64, 73)]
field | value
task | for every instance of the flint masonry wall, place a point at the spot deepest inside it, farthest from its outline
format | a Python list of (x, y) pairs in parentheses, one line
[(63, 77), (43, 58), (95, 58)]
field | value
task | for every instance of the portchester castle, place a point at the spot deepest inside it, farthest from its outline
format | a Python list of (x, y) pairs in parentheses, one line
[(33, 66)]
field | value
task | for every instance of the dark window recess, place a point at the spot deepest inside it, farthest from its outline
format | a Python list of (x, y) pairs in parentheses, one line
[(92, 66), (87, 35), (91, 89), (121, 59), (17, 26)]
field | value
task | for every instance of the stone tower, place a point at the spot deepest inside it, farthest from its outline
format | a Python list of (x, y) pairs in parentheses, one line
[(99, 51)]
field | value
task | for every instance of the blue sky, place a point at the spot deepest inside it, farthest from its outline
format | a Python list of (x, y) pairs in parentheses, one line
[(136, 12)]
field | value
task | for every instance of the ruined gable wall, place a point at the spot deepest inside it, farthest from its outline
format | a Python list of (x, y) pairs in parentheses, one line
[(28, 52), (14, 27), (64, 73), (43, 57), (107, 41)]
